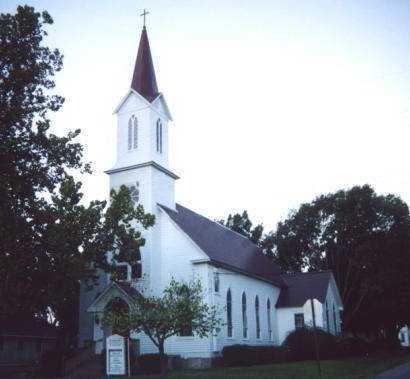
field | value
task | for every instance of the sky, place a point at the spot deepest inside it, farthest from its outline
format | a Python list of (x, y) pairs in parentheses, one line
[(274, 102)]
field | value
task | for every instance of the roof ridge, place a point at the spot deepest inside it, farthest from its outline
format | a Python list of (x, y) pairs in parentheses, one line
[(220, 225), (308, 272)]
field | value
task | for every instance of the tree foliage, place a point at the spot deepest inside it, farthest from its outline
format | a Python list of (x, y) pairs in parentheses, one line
[(49, 240), (180, 310), (364, 238), (242, 224)]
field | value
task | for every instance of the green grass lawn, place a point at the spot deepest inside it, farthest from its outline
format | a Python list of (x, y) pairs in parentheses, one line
[(349, 368)]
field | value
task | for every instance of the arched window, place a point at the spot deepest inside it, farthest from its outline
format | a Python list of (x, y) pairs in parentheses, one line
[(269, 319), (244, 317), (229, 313), (216, 282), (159, 136), (258, 325), (130, 134), (135, 139)]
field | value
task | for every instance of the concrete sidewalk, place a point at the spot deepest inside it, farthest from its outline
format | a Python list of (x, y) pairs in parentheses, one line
[(399, 372)]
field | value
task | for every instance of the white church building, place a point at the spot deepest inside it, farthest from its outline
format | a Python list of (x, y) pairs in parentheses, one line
[(259, 304)]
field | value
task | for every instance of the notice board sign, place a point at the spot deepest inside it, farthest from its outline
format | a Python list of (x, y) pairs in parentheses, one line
[(115, 355)]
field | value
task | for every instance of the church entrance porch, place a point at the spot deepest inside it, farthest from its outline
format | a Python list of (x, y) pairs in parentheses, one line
[(119, 297)]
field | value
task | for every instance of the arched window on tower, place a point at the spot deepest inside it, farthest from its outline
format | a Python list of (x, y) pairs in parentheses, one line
[(244, 317), (159, 136), (135, 136), (132, 133), (229, 313), (269, 319), (258, 324)]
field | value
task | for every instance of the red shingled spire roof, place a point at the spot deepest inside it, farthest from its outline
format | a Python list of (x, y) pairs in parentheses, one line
[(143, 80)]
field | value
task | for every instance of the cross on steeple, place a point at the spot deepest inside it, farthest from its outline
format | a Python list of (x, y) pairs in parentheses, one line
[(143, 14)]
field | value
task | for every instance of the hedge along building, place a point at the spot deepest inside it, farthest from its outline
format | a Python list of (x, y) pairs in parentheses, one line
[(259, 304)]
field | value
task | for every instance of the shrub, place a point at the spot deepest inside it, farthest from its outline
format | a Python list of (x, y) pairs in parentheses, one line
[(149, 364), (300, 344), (51, 363), (353, 347), (245, 355)]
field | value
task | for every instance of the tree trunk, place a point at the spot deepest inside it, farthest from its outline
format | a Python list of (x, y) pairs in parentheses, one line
[(162, 358)]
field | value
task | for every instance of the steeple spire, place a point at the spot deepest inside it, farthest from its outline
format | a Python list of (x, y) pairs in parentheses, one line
[(143, 80)]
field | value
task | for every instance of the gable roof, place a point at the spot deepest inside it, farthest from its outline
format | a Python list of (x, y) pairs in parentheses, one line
[(143, 79), (28, 327), (127, 292), (226, 248), (304, 286)]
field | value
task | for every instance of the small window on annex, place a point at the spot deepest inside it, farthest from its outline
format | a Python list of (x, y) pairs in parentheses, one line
[(38, 346), (402, 337), (299, 321), (20, 344)]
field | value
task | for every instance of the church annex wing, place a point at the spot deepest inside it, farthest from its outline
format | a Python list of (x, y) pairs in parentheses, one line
[(303, 286), (226, 248)]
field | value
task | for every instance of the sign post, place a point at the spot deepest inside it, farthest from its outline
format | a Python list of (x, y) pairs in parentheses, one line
[(115, 357)]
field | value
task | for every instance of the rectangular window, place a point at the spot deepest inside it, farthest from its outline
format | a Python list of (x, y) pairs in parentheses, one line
[(137, 271), (20, 345), (402, 338), (121, 272), (186, 331), (38, 346), (299, 321)]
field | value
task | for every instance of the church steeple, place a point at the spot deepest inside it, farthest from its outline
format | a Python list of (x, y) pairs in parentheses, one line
[(144, 80)]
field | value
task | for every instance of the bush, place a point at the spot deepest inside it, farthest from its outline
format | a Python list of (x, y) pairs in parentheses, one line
[(51, 363), (149, 364), (356, 346), (300, 344), (353, 347), (245, 355)]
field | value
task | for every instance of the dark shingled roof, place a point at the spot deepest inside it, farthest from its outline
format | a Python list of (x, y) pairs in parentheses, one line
[(304, 286), (226, 248), (26, 326), (129, 290), (144, 80)]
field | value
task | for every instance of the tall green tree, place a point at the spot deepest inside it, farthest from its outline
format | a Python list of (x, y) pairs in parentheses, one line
[(49, 241), (364, 238)]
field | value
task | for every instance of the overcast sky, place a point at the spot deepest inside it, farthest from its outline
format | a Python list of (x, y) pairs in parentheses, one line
[(274, 102)]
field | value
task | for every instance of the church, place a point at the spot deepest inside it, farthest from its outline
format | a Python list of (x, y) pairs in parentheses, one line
[(259, 303)]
